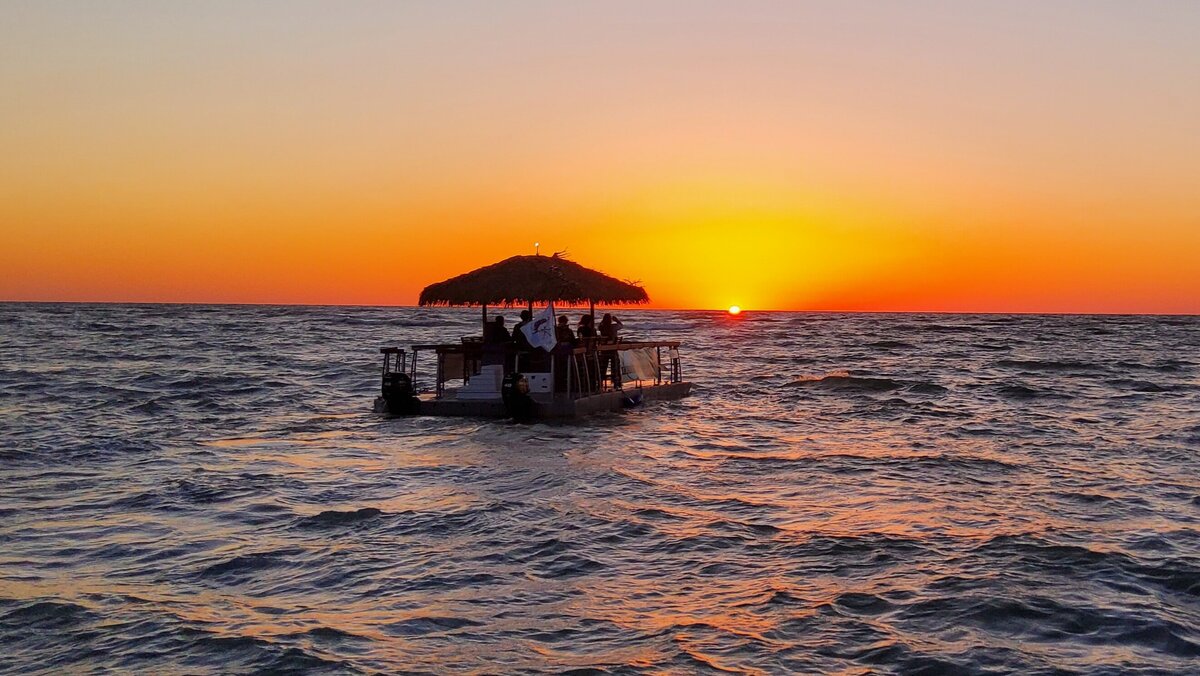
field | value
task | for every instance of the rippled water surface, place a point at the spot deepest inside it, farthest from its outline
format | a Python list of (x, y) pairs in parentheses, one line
[(201, 489)]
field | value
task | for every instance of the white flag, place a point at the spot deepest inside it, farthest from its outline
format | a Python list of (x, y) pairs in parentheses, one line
[(540, 330)]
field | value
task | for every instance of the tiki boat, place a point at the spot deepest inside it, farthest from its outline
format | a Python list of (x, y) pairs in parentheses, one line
[(548, 379)]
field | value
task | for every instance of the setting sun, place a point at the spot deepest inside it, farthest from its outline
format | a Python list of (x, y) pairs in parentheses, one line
[(735, 310)]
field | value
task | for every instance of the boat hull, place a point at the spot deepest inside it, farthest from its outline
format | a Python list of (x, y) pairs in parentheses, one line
[(550, 407)]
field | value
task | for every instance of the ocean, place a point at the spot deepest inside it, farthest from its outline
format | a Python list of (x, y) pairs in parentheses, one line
[(205, 489)]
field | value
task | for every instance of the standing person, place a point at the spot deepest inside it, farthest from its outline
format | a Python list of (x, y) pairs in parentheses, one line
[(586, 328), (562, 353), (495, 342), (610, 326), (520, 340), (522, 350), (587, 338), (496, 333)]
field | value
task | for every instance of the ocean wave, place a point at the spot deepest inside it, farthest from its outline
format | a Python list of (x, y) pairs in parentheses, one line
[(1145, 385), (859, 603), (841, 381), (421, 626), (334, 634), (244, 567), (1044, 619), (891, 345), (45, 616), (334, 518), (845, 381), (1056, 365), (1025, 392), (259, 655)]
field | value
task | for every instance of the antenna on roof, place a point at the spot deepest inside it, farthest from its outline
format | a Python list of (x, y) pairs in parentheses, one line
[(536, 246)]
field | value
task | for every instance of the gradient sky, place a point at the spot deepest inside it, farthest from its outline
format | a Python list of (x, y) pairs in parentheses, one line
[(958, 156)]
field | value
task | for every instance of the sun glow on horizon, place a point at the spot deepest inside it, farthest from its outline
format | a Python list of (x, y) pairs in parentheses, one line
[(735, 310)]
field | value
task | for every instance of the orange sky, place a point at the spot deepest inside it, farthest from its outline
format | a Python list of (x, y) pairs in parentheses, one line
[(826, 156)]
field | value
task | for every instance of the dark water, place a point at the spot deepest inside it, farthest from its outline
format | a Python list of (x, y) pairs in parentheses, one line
[(205, 489)]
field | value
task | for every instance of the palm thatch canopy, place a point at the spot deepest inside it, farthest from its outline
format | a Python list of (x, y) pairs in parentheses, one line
[(532, 279)]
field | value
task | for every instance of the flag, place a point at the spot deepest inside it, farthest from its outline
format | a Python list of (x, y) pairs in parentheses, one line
[(540, 330)]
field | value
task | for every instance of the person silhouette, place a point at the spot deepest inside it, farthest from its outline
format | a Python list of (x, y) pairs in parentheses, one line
[(519, 339), (610, 327), (587, 327), (563, 331)]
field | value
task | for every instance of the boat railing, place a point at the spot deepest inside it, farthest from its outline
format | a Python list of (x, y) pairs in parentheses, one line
[(588, 369), (598, 367), (455, 361), (394, 360)]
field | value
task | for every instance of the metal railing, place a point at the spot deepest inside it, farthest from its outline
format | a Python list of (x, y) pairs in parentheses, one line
[(589, 365), (582, 371)]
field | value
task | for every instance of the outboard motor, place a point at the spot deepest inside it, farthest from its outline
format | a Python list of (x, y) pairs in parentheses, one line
[(515, 392), (399, 394)]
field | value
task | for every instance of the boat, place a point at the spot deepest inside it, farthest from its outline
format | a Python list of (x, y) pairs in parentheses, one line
[(475, 378)]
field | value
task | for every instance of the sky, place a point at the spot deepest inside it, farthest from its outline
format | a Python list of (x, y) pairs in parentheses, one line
[(853, 156)]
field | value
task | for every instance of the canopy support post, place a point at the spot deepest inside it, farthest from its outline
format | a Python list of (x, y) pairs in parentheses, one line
[(485, 319), (592, 311)]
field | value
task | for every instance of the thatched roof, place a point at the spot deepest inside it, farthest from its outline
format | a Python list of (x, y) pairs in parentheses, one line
[(532, 279)]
